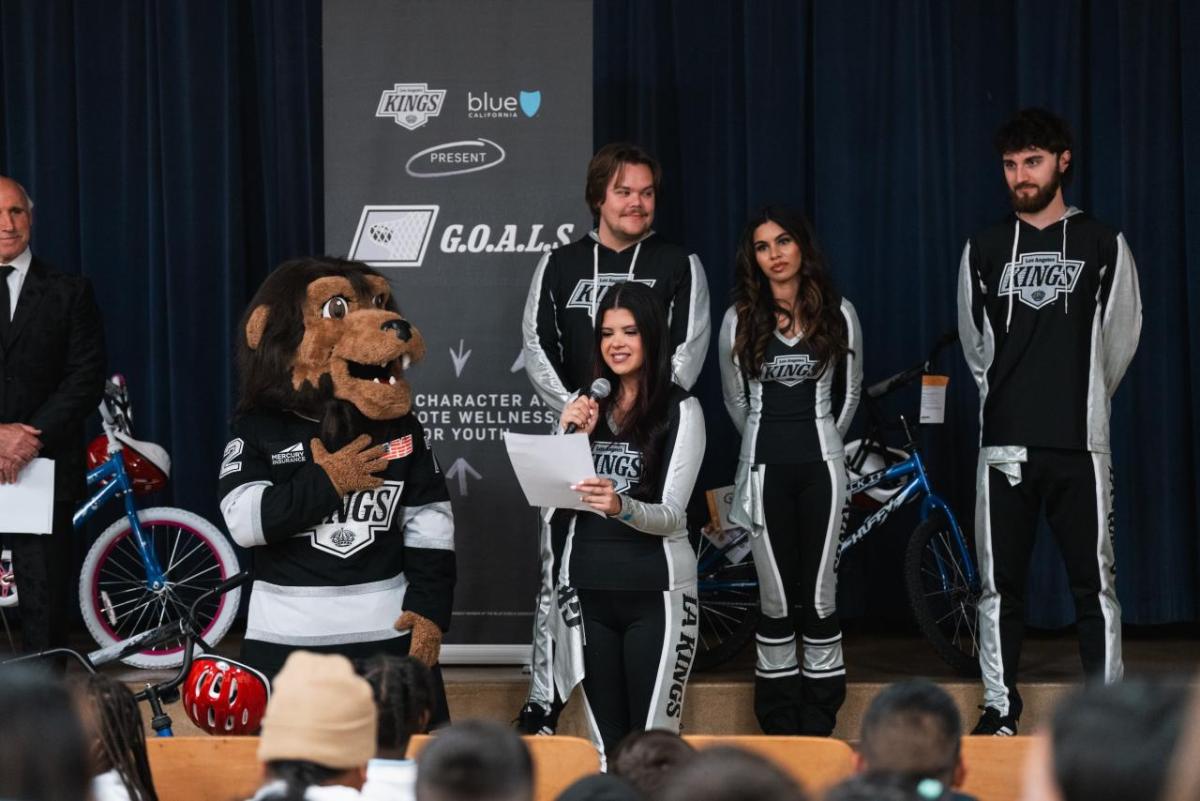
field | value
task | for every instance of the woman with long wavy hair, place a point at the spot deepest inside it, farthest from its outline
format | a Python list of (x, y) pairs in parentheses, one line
[(791, 370), (631, 569)]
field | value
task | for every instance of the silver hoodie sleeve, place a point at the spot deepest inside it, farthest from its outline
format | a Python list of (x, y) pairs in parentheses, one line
[(670, 516), (970, 334), (854, 368), (538, 318), (1122, 322), (694, 331), (733, 385)]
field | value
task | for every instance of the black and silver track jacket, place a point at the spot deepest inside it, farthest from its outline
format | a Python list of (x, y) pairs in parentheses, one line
[(566, 290)]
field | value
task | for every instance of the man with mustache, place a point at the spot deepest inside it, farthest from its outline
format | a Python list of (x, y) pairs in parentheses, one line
[(558, 329), (1049, 315)]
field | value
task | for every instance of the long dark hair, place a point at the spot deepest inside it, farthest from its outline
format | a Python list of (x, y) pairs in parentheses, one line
[(817, 301), (648, 417), (121, 742)]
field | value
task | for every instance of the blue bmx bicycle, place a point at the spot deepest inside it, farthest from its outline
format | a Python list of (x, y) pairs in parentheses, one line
[(150, 566), (941, 575)]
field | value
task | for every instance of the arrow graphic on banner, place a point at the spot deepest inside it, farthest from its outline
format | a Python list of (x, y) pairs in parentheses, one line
[(459, 470), (519, 364), (460, 358)]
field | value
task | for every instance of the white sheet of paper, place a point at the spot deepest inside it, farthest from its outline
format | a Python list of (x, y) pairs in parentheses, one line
[(27, 507), (547, 466), (933, 398)]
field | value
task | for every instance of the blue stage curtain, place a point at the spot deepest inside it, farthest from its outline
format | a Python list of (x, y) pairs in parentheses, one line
[(876, 118), (174, 154)]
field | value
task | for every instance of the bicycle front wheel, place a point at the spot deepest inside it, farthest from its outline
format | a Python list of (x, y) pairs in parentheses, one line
[(117, 603), (728, 597), (943, 599)]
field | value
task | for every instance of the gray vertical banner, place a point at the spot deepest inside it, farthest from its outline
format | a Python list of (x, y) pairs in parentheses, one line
[(457, 133)]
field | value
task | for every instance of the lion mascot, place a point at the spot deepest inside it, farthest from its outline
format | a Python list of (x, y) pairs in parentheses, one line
[(327, 477)]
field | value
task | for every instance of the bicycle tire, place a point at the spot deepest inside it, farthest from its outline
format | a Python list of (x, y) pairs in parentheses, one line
[(728, 615), (945, 610), (114, 598)]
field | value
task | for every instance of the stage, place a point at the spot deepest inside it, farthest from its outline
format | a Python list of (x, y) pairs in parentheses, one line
[(720, 701)]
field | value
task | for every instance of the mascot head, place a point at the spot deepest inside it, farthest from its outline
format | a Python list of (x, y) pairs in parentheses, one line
[(323, 336)]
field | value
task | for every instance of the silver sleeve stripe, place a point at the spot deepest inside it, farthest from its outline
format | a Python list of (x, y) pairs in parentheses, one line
[(541, 373), (732, 382), (242, 510), (1122, 325), (670, 515), (429, 526), (854, 368), (970, 336), (689, 355)]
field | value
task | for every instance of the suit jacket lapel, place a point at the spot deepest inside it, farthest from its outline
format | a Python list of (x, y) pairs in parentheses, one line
[(32, 290)]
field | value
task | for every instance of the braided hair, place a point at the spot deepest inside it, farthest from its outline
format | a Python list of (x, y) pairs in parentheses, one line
[(120, 743), (403, 692)]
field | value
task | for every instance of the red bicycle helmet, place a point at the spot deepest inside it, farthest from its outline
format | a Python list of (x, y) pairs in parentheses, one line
[(225, 697)]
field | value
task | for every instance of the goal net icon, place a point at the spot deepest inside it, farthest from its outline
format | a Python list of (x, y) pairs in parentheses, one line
[(393, 236)]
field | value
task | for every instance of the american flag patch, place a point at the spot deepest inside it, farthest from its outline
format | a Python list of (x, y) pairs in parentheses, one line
[(399, 448)]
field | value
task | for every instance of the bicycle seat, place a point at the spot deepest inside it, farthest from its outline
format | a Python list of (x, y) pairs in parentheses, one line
[(155, 454)]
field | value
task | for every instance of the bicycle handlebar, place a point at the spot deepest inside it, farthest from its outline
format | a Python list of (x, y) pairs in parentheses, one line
[(905, 377)]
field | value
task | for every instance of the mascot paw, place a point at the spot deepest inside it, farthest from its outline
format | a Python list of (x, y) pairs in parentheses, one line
[(426, 638), (353, 467)]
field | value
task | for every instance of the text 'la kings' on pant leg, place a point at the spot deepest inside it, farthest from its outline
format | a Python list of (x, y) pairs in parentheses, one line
[(660, 645), (1079, 508), (776, 560), (1005, 527), (605, 694), (822, 494)]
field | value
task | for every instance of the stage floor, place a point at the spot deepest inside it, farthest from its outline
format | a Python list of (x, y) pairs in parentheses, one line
[(720, 701)]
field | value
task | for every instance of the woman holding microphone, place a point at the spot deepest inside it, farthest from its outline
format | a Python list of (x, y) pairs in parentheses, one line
[(631, 565), (791, 370)]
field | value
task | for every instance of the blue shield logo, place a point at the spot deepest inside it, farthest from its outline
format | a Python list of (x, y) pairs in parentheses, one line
[(531, 102)]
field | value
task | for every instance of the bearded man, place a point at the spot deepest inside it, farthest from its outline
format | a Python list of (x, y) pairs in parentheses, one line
[(1049, 316)]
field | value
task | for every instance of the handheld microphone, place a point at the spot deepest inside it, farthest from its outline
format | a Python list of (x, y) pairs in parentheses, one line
[(598, 391)]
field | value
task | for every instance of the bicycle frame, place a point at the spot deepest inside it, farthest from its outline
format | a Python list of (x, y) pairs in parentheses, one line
[(113, 471), (916, 486)]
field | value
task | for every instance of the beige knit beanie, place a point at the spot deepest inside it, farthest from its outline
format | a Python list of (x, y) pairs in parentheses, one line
[(320, 711)]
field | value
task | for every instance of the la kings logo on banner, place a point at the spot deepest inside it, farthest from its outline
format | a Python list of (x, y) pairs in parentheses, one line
[(1037, 279), (619, 463), (362, 515), (581, 295), (410, 104), (791, 370)]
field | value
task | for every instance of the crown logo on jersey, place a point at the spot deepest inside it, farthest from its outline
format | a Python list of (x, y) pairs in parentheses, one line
[(581, 296), (791, 369), (619, 463), (353, 526), (1037, 279)]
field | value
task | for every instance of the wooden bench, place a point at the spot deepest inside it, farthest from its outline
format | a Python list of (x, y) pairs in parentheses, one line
[(227, 769), (995, 766), (816, 762)]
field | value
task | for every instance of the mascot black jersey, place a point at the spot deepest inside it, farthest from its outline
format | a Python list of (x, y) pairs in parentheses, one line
[(335, 570)]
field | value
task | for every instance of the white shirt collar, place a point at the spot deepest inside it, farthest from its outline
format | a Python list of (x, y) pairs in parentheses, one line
[(22, 262)]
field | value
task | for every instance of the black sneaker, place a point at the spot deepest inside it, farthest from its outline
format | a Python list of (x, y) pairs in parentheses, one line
[(535, 719), (992, 722)]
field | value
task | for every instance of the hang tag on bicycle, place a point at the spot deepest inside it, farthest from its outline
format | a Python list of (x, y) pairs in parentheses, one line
[(933, 398)]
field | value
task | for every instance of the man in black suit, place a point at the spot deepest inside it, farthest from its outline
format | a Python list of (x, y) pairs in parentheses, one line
[(52, 368)]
